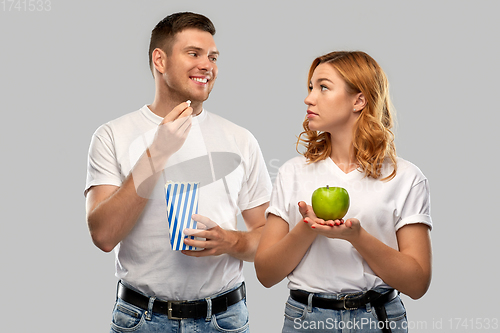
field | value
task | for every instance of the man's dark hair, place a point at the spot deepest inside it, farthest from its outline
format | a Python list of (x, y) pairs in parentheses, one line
[(164, 32)]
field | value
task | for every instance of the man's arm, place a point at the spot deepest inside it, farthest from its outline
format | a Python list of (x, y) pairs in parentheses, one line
[(112, 211), (239, 244)]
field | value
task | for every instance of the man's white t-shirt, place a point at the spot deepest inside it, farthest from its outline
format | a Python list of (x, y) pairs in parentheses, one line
[(382, 207), (227, 162)]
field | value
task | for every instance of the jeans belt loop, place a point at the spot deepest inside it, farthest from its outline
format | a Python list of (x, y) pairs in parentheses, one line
[(149, 312), (310, 302), (209, 309)]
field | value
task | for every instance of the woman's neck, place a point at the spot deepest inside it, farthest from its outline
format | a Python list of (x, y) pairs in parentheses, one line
[(342, 153)]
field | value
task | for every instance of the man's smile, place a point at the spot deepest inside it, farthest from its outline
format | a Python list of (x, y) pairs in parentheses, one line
[(202, 80)]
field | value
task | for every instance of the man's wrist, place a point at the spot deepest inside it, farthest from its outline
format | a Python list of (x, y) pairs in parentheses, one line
[(157, 158)]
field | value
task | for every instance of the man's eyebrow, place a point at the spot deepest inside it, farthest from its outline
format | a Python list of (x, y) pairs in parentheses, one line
[(199, 49)]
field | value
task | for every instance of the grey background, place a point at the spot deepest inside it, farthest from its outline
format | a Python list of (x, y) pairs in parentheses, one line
[(72, 66)]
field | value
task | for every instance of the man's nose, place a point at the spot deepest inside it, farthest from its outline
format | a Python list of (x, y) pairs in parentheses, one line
[(206, 64)]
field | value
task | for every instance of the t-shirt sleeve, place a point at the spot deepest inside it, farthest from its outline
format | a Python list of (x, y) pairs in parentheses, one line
[(278, 202), (417, 206), (257, 188), (102, 166)]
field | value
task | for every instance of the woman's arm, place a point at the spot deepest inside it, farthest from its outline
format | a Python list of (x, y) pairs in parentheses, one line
[(281, 250), (408, 270)]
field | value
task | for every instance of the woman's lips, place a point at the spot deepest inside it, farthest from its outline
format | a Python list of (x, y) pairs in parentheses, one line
[(311, 114)]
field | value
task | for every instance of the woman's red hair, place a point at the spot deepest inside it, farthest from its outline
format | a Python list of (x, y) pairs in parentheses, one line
[(373, 139)]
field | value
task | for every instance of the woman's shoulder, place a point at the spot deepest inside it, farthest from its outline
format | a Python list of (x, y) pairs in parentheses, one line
[(299, 165), (297, 162), (407, 169)]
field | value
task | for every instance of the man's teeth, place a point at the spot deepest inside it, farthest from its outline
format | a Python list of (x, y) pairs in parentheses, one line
[(197, 79)]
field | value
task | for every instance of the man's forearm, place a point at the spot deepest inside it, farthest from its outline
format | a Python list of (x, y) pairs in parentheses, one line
[(112, 213), (246, 244)]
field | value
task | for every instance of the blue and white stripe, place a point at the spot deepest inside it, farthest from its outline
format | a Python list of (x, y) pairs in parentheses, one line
[(182, 202)]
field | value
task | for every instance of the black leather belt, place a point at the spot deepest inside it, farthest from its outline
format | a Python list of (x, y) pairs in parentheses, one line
[(351, 302), (182, 309)]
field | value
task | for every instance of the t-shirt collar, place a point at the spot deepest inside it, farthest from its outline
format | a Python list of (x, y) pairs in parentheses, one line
[(157, 119)]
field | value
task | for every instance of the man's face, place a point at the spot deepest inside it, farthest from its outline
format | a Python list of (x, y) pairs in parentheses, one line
[(191, 68)]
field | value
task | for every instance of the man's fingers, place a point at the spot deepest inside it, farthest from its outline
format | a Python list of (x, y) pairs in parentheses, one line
[(180, 111), (194, 253), (186, 124), (209, 224), (191, 232)]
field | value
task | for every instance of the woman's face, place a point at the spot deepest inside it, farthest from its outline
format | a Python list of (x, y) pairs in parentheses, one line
[(330, 106)]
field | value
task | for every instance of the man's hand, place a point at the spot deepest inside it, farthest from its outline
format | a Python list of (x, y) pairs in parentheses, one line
[(217, 240), (173, 130), (169, 138)]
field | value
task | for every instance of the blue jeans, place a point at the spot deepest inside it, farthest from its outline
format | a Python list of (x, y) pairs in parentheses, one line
[(305, 318), (129, 318)]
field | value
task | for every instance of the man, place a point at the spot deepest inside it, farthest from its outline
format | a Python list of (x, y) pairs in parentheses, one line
[(130, 160)]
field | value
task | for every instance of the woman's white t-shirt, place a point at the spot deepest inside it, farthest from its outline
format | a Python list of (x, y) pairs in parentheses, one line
[(382, 207)]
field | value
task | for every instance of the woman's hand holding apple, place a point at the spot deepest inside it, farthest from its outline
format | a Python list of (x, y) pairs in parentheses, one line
[(348, 230)]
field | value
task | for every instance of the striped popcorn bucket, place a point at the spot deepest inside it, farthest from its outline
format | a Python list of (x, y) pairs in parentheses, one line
[(182, 202)]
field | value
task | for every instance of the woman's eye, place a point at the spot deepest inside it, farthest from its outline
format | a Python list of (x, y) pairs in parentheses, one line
[(323, 88)]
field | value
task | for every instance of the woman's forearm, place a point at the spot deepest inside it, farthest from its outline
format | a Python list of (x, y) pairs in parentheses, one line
[(407, 270), (280, 251)]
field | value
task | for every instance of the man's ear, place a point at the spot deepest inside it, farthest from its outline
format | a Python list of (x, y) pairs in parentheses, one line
[(159, 60), (360, 102)]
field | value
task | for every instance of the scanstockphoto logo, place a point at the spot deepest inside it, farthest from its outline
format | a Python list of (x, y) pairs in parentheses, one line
[(355, 324), (458, 324), (205, 167)]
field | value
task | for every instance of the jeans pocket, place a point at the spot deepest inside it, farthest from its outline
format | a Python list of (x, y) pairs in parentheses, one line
[(295, 310), (126, 317), (235, 319), (396, 315)]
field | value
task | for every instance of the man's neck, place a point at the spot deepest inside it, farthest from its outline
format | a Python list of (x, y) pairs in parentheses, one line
[(162, 106)]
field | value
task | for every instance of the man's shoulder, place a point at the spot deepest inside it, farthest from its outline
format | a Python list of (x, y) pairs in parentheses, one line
[(127, 117), (223, 121), (228, 126), (122, 122)]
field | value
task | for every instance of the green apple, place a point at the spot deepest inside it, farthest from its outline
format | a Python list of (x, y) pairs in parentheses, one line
[(330, 203)]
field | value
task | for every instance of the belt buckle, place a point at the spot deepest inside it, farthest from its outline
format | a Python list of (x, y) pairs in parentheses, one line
[(169, 310), (346, 297)]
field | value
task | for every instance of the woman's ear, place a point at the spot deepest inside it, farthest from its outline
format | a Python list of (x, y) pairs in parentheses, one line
[(159, 60), (360, 102)]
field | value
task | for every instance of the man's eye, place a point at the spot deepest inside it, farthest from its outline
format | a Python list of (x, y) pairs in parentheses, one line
[(214, 59)]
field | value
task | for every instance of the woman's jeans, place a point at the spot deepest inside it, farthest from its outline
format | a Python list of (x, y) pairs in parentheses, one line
[(305, 318), (129, 318)]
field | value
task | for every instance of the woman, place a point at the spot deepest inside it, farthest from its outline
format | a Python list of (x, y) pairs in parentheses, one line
[(347, 274)]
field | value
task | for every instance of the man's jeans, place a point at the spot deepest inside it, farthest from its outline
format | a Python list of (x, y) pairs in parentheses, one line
[(129, 318)]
